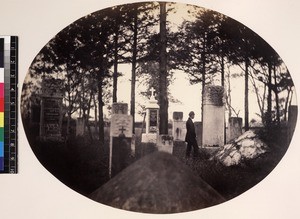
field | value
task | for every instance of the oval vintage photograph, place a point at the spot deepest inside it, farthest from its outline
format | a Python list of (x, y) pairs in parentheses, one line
[(158, 107)]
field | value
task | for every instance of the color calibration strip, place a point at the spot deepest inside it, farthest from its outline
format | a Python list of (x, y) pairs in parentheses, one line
[(8, 105), (1, 104)]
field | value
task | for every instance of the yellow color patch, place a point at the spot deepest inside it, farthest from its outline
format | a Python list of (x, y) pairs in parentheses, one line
[(1, 119)]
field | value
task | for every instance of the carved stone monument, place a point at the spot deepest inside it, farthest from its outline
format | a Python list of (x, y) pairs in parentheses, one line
[(213, 116), (120, 138), (51, 110), (152, 116)]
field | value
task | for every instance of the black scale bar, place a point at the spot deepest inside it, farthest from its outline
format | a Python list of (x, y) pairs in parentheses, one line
[(13, 168)]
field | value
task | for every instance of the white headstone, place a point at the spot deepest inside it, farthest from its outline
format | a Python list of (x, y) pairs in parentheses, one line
[(179, 130), (213, 116)]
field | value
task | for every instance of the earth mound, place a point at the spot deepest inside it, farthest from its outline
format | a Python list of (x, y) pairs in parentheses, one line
[(157, 183)]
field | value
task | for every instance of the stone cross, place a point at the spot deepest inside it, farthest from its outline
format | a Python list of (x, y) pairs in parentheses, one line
[(152, 91), (122, 130)]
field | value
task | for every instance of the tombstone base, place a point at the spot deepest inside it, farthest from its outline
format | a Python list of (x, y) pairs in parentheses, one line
[(149, 138), (165, 143), (121, 150)]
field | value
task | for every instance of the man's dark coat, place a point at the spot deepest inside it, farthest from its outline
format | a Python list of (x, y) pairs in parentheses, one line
[(190, 131)]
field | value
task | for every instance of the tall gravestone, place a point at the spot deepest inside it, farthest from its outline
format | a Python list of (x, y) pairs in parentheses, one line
[(179, 127), (51, 110), (179, 132), (152, 115), (234, 127), (213, 116), (120, 138)]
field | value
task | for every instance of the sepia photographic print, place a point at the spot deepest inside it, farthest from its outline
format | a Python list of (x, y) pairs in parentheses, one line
[(158, 107)]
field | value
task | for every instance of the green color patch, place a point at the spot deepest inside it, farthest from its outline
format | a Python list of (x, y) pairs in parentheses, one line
[(1, 134)]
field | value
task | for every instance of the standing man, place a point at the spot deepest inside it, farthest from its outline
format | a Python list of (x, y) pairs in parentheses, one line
[(190, 137)]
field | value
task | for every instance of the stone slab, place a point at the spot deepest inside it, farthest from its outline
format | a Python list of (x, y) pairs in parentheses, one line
[(149, 138), (177, 116), (121, 123), (213, 126), (179, 130), (119, 108), (51, 118)]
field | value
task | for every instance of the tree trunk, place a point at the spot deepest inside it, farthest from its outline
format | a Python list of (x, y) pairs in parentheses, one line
[(96, 115), (88, 116), (133, 69), (246, 104), (203, 61), (222, 72), (269, 107), (286, 105), (68, 125), (100, 110), (115, 74), (228, 96), (276, 97), (163, 95)]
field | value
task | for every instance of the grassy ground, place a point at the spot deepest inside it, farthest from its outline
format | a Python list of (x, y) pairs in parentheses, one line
[(82, 165), (232, 181)]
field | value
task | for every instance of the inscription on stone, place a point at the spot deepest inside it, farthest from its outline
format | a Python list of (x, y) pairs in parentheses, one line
[(51, 117), (153, 121), (119, 108), (121, 125)]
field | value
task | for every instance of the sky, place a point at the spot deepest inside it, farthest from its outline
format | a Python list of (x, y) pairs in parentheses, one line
[(188, 95)]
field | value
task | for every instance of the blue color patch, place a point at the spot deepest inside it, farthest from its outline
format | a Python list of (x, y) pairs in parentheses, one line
[(1, 149), (1, 156)]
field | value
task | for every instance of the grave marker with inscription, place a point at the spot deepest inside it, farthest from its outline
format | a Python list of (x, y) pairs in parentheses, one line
[(151, 120), (120, 138), (51, 110)]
